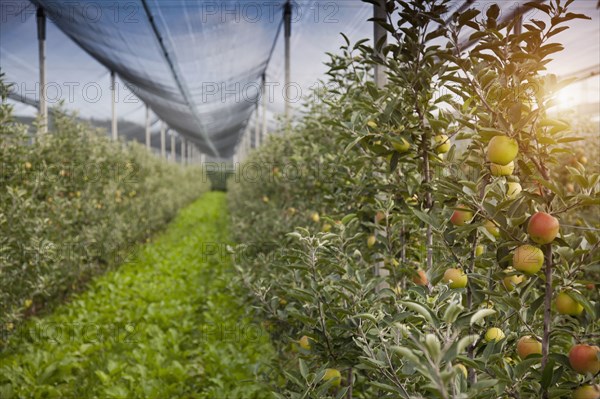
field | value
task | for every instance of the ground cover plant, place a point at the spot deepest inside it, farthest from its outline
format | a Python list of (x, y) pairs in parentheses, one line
[(165, 324)]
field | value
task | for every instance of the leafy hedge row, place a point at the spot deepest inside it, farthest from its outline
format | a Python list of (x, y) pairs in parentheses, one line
[(349, 238), (166, 324), (72, 203)]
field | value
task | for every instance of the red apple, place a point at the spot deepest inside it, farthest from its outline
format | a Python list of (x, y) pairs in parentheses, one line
[(528, 345), (584, 359), (543, 228), (420, 278), (528, 259), (461, 216)]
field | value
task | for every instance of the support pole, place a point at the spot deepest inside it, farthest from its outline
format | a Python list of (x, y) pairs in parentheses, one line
[(256, 126), (43, 107), (379, 33), (163, 128), (287, 19), (148, 144), (263, 134), (113, 89), (183, 151), (173, 143), (519, 25)]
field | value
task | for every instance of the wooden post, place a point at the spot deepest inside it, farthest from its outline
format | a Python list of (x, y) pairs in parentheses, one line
[(43, 107), (378, 33)]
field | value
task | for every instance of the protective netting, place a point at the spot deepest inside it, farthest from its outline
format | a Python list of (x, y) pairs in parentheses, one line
[(198, 67), (218, 50)]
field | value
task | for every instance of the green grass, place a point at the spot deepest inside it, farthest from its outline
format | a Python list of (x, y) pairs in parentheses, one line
[(166, 324)]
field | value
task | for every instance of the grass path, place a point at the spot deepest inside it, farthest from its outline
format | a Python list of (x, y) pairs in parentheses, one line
[(164, 325)]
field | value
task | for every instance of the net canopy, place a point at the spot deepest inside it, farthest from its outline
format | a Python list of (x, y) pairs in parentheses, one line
[(197, 65)]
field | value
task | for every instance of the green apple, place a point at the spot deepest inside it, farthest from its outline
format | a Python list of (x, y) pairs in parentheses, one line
[(494, 334), (492, 228), (479, 250), (442, 144), (528, 259), (455, 278), (587, 392), (371, 241), (510, 282), (304, 343), (502, 150), (333, 374), (565, 304), (513, 189), (400, 144), (502, 170)]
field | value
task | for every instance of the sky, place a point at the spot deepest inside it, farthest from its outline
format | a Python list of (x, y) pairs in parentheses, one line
[(244, 40)]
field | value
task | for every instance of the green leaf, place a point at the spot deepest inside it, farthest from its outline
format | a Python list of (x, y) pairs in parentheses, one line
[(418, 308), (480, 314), (547, 374), (303, 368)]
